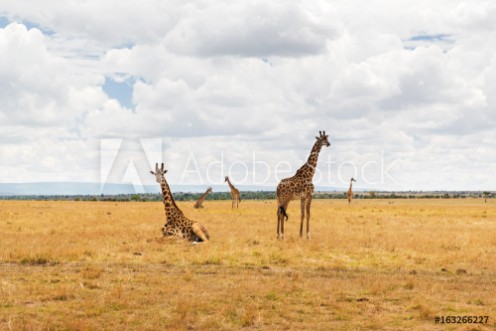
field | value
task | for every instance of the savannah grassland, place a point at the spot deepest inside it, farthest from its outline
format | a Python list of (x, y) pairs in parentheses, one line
[(378, 264)]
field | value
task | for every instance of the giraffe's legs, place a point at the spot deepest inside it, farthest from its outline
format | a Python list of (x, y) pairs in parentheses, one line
[(283, 217), (199, 232), (282, 226), (302, 216), (308, 203)]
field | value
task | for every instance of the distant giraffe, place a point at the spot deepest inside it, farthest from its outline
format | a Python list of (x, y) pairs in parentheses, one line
[(199, 202), (349, 194), (235, 196), (299, 186), (177, 225), (486, 195)]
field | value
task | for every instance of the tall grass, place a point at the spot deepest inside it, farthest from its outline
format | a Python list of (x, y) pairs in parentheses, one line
[(377, 264)]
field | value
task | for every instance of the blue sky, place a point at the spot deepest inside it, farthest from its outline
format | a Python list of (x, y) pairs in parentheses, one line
[(426, 37), (122, 91), (3, 21), (241, 89)]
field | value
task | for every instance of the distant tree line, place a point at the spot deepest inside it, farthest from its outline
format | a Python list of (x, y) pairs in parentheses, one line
[(257, 195)]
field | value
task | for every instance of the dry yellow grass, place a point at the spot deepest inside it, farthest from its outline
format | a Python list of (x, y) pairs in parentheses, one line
[(383, 265)]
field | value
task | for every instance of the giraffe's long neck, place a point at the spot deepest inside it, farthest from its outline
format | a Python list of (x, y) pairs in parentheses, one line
[(231, 186), (170, 205), (204, 196), (311, 163), (351, 184)]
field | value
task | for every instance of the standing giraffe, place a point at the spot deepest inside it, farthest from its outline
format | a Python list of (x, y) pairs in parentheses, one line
[(236, 198), (177, 225), (349, 194), (199, 202), (299, 187)]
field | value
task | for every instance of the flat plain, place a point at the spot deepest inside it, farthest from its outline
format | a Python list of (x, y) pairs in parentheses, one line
[(374, 265)]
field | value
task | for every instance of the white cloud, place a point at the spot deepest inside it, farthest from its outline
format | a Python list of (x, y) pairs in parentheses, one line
[(110, 23), (24, 82), (257, 28), (224, 78)]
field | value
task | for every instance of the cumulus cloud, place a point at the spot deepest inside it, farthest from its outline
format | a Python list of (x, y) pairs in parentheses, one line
[(252, 29), (110, 23), (405, 90), (24, 61)]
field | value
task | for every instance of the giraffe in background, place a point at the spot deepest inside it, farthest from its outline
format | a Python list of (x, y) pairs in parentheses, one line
[(177, 225), (235, 196), (349, 194), (199, 202), (299, 186)]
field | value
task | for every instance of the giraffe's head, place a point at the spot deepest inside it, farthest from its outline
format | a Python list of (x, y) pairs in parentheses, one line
[(353, 179), (226, 179), (159, 173), (323, 139), (209, 190)]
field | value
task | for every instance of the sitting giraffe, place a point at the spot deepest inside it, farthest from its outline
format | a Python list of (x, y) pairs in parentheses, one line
[(177, 225), (349, 194), (299, 186), (235, 196), (199, 202)]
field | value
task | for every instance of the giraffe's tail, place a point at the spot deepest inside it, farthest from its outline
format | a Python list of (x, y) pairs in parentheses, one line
[(283, 212)]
